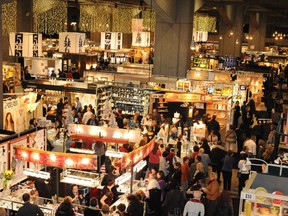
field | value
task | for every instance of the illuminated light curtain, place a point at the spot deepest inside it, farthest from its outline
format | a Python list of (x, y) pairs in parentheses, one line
[(204, 23), (50, 16), (122, 19), (95, 18), (149, 20), (9, 13)]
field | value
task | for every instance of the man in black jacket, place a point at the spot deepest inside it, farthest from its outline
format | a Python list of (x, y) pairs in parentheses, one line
[(29, 208)]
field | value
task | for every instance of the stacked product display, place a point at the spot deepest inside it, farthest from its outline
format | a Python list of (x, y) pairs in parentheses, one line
[(261, 198), (129, 99)]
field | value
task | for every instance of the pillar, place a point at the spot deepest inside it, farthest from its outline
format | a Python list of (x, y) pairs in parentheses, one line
[(231, 31), (257, 29), (173, 35), (1, 74)]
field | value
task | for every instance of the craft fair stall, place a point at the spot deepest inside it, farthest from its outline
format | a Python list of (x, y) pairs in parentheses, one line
[(42, 67), (18, 109), (16, 171), (12, 77), (53, 90), (72, 165), (130, 163)]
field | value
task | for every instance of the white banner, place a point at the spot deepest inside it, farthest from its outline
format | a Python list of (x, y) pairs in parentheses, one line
[(141, 39), (137, 25), (24, 44), (111, 40), (200, 36), (71, 42)]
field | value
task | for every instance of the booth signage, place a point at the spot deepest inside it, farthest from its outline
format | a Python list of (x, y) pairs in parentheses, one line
[(248, 196), (157, 95), (104, 134), (111, 40), (25, 44), (137, 155), (56, 159), (137, 25), (141, 39), (71, 42), (173, 97)]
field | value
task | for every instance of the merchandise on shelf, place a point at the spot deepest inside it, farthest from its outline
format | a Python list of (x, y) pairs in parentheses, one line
[(130, 100), (260, 197)]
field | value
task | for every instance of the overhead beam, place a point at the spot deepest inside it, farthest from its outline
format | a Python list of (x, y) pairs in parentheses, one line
[(198, 4), (165, 9)]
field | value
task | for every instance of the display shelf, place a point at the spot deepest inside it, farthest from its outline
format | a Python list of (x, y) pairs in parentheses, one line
[(260, 192), (129, 99), (134, 104)]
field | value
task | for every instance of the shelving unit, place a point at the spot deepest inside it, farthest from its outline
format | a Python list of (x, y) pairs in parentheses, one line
[(162, 106), (129, 99), (221, 108)]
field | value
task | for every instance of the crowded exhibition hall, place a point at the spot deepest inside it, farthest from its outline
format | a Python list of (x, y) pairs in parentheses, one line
[(143, 108)]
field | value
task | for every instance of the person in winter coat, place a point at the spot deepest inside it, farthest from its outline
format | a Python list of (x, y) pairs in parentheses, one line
[(224, 204), (65, 208), (217, 155), (174, 201), (227, 170), (212, 191)]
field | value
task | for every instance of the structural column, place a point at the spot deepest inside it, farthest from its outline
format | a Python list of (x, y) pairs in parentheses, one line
[(1, 74), (174, 24), (231, 31), (257, 30)]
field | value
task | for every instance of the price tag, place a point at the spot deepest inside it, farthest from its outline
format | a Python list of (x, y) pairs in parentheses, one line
[(247, 196)]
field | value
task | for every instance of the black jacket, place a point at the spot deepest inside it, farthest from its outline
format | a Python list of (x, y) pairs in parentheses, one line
[(217, 155), (65, 210), (30, 209), (174, 200)]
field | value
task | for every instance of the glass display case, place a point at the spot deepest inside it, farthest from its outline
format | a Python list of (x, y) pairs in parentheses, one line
[(260, 197), (14, 202)]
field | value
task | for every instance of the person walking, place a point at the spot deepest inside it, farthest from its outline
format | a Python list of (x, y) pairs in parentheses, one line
[(227, 170)]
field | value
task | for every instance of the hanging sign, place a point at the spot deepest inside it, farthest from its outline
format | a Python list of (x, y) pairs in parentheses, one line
[(141, 39), (134, 157), (111, 40), (137, 25), (71, 42), (174, 97), (56, 159), (200, 36), (24, 44), (104, 134)]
